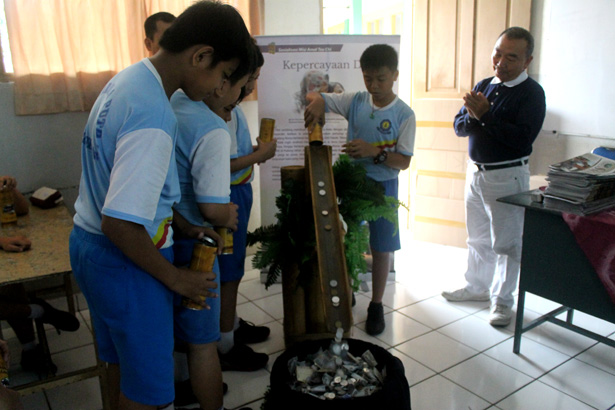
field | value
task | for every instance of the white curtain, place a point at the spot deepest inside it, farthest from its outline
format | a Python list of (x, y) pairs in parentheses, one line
[(65, 51)]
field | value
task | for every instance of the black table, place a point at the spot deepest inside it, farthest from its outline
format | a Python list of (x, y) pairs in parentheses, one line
[(554, 267)]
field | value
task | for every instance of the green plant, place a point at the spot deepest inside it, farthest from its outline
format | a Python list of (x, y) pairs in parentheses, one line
[(292, 239)]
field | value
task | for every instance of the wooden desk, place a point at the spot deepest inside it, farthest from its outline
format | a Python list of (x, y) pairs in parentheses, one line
[(49, 231), (553, 266)]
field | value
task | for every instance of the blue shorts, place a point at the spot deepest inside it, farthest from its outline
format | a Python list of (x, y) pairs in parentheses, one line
[(195, 326), (132, 314), (384, 235), (232, 267)]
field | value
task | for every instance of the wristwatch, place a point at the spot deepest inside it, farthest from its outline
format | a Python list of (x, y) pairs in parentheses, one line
[(381, 157)]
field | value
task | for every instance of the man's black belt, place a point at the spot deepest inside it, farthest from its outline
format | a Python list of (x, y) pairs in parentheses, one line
[(484, 167)]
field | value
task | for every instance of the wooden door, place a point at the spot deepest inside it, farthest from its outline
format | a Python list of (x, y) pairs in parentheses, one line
[(451, 51)]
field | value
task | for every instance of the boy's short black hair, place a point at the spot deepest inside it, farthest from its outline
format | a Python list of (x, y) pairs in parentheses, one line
[(260, 61), (377, 56), (150, 24), (210, 23), (249, 66)]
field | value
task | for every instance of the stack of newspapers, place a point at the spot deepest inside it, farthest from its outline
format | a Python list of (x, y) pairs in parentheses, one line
[(582, 185)]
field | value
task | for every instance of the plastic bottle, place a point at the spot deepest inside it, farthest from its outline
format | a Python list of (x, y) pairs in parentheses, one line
[(203, 258), (4, 372), (8, 214)]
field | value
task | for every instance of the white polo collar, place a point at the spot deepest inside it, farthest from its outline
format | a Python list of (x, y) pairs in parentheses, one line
[(521, 78)]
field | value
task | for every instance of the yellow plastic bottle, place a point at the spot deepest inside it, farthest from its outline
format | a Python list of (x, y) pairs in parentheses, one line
[(8, 215)]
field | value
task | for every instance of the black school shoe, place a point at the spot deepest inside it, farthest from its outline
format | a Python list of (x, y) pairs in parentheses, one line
[(34, 360), (242, 358), (59, 319), (248, 333), (375, 319), (184, 396)]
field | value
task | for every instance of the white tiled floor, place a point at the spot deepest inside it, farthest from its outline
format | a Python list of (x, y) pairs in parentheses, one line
[(453, 358)]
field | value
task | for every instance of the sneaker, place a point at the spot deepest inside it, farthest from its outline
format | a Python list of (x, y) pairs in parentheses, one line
[(500, 315), (242, 358), (59, 319), (34, 360), (354, 300), (375, 319), (184, 396), (248, 333), (464, 295)]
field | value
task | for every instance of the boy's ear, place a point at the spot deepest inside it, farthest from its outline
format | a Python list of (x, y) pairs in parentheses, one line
[(148, 44), (203, 55), (396, 75)]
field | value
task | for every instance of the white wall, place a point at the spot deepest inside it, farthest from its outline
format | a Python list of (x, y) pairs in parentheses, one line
[(40, 150), (573, 62)]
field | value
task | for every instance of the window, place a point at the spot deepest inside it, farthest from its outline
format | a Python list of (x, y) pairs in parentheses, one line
[(6, 65), (65, 51), (362, 16)]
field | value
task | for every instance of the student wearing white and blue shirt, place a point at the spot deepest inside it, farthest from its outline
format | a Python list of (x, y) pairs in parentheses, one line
[(203, 164), (236, 333), (120, 246), (381, 131)]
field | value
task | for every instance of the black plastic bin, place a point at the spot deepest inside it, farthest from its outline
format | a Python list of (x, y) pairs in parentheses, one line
[(395, 394)]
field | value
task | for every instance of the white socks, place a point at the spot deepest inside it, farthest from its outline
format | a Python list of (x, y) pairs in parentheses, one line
[(236, 326), (226, 342), (227, 339), (36, 311)]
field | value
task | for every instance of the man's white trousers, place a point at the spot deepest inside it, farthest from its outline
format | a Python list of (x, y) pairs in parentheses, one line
[(494, 231)]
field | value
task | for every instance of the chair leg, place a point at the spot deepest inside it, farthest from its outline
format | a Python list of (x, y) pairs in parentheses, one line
[(70, 294), (42, 340)]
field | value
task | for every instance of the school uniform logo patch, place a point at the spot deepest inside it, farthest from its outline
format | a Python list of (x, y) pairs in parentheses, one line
[(384, 127)]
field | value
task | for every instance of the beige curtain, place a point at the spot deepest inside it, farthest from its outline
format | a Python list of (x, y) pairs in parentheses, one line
[(65, 51)]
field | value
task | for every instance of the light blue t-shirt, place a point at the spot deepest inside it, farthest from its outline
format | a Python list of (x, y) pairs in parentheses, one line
[(203, 157), (128, 156), (241, 145), (391, 128)]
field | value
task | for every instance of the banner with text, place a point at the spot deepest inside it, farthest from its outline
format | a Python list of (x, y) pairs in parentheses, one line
[(294, 66)]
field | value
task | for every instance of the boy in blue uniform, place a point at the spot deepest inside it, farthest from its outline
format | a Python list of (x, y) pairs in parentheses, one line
[(120, 246), (381, 131), (235, 332), (203, 163)]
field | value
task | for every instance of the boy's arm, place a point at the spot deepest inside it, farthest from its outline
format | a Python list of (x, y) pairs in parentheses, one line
[(361, 149), (15, 243), (183, 228), (220, 214), (397, 160), (22, 207), (134, 241), (20, 203), (262, 152), (315, 109)]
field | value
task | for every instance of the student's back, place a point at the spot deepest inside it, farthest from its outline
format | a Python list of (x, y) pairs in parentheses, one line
[(120, 244)]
